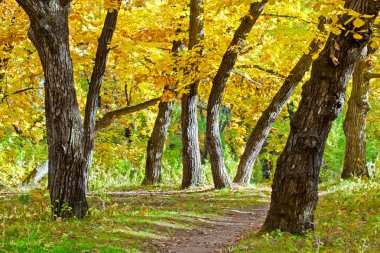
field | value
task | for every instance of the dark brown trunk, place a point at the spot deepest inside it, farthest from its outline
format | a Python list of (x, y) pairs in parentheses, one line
[(157, 139), (214, 144), (191, 158), (295, 184), (94, 88), (49, 33), (355, 122), (261, 130)]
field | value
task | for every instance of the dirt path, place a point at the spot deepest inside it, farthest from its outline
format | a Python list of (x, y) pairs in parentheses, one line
[(218, 234)]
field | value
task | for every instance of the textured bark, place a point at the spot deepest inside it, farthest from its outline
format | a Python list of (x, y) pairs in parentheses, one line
[(355, 122), (156, 143), (157, 139), (49, 33), (261, 130), (191, 157), (295, 184), (214, 144), (95, 85)]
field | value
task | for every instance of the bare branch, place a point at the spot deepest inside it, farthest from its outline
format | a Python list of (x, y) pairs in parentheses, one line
[(269, 71), (245, 76), (275, 15), (110, 116), (20, 91), (373, 75)]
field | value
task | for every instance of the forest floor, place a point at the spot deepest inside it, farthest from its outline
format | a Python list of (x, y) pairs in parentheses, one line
[(203, 220)]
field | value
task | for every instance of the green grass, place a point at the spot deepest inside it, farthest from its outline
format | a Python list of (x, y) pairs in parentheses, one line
[(116, 224), (347, 219)]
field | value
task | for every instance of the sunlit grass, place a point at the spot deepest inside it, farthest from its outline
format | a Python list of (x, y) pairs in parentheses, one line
[(116, 224), (347, 220)]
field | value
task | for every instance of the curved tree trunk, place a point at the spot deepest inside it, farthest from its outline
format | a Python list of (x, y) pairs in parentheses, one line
[(49, 33), (214, 144), (295, 185), (157, 139), (156, 143), (191, 157), (261, 130), (354, 125), (94, 88)]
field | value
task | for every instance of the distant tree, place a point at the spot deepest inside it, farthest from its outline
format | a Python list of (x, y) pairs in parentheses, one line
[(214, 144), (157, 139), (191, 156), (355, 122), (295, 185)]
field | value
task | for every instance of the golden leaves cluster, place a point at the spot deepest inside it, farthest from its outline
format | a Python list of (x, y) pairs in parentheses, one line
[(111, 5)]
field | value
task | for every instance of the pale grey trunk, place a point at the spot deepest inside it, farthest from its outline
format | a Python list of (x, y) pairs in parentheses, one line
[(191, 157)]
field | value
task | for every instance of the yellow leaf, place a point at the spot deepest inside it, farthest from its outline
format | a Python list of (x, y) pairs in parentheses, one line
[(168, 96), (358, 22), (357, 36)]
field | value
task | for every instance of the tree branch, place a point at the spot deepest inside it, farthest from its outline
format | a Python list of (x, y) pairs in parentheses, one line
[(269, 71), (245, 76), (33, 8), (373, 75), (110, 116), (287, 16), (20, 91)]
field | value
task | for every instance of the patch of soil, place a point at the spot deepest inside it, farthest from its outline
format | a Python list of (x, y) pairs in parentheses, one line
[(217, 234)]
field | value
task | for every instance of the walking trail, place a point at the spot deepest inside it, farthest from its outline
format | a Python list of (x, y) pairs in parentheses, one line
[(218, 235)]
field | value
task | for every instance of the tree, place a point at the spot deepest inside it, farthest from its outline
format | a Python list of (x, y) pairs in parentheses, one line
[(69, 158), (295, 186), (214, 144), (95, 85), (191, 157), (157, 139), (354, 125), (261, 130)]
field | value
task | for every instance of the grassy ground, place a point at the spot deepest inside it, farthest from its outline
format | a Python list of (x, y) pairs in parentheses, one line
[(116, 224), (347, 220)]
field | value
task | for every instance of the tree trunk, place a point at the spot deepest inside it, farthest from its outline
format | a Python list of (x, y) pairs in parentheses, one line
[(49, 33), (37, 174), (214, 144), (191, 157), (295, 185), (261, 130), (94, 88), (157, 139), (156, 144), (354, 125)]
